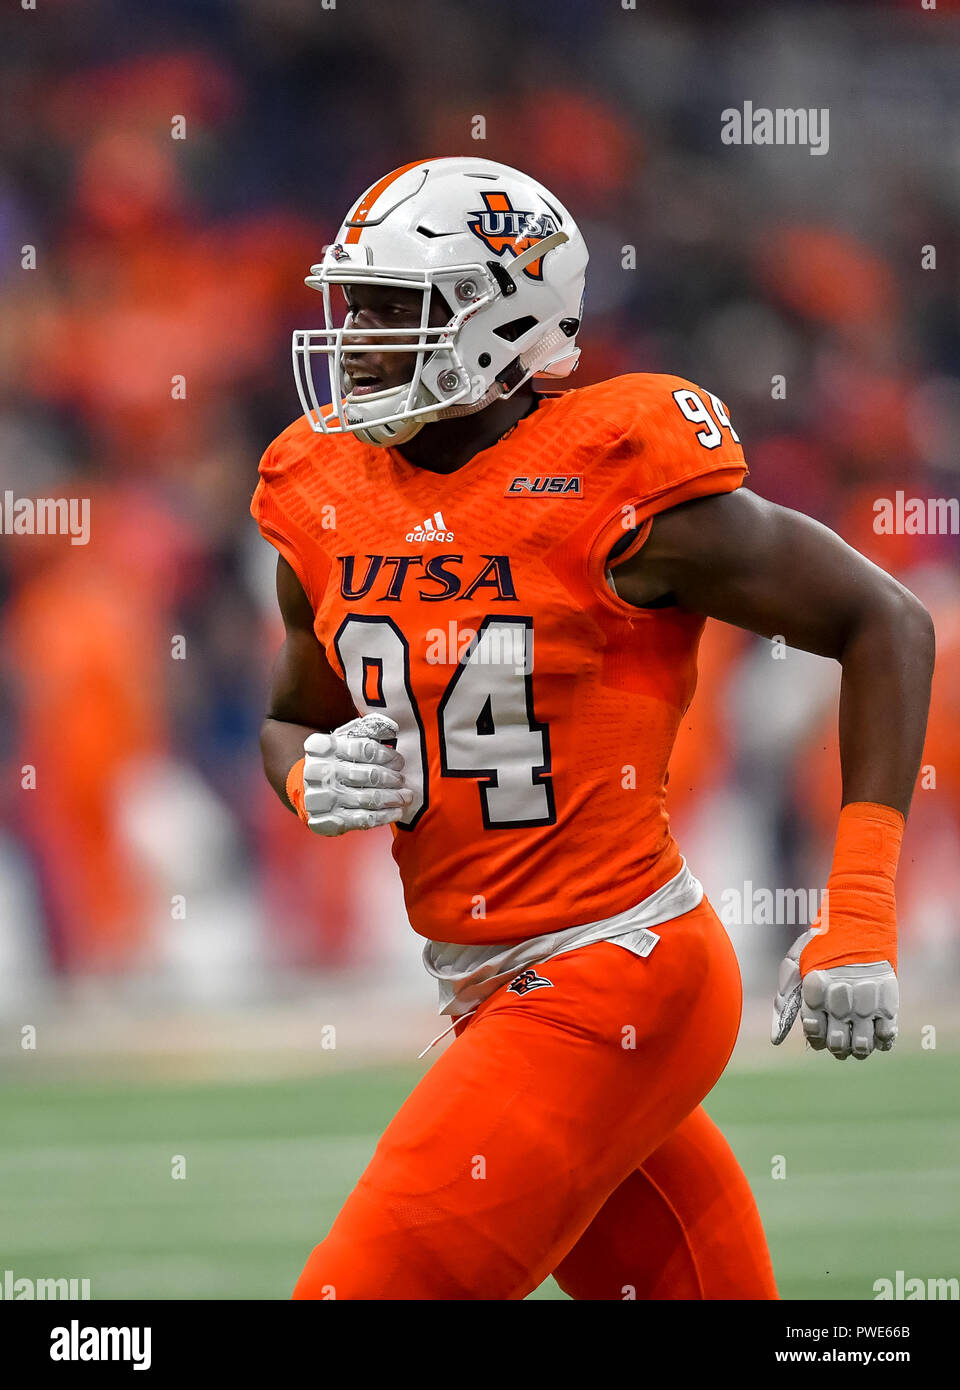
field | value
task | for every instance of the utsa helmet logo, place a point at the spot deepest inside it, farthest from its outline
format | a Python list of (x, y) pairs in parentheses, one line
[(503, 227)]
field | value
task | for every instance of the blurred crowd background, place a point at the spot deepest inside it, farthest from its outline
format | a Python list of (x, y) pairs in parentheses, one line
[(133, 670)]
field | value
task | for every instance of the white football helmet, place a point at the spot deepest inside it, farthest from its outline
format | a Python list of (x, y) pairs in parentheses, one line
[(508, 260)]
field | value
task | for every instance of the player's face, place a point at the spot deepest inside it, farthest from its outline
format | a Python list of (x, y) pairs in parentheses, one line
[(379, 306)]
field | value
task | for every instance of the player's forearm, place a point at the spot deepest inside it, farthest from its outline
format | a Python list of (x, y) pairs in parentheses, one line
[(887, 661), (281, 745)]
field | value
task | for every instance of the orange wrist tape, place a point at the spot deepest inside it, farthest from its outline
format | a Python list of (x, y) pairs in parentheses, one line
[(294, 789), (860, 906)]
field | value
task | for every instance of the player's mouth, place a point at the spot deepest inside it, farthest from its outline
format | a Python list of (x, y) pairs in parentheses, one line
[(365, 383)]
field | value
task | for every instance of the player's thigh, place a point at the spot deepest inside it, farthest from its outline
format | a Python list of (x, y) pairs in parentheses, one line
[(496, 1155)]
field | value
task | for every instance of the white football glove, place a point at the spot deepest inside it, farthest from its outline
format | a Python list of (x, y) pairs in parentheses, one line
[(848, 1009), (351, 780)]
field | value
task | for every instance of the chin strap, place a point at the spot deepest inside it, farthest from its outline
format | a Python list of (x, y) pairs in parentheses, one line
[(452, 412)]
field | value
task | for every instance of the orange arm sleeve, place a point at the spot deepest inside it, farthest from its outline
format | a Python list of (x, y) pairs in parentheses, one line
[(858, 921)]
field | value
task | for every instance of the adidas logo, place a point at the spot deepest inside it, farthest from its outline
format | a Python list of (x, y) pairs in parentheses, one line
[(433, 529)]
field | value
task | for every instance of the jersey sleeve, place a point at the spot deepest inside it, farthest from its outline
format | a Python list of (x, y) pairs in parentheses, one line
[(677, 443), (287, 518)]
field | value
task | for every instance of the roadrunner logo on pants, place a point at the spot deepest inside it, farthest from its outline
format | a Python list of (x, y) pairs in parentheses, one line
[(526, 981)]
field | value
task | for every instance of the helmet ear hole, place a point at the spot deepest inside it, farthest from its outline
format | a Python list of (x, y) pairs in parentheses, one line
[(516, 328)]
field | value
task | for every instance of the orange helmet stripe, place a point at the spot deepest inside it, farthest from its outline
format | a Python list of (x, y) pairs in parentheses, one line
[(360, 212)]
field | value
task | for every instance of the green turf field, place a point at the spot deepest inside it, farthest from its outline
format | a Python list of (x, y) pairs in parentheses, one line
[(85, 1188)]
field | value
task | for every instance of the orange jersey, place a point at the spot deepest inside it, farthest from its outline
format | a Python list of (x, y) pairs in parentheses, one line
[(537, 710)]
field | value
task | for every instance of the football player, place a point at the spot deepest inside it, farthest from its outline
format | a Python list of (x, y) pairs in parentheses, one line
[(493, 596)]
